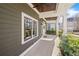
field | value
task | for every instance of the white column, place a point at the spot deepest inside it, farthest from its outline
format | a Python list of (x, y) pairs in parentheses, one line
[(57, 26), (65, 24), (43, 28)]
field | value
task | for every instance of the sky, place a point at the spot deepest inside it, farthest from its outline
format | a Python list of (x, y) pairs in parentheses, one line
[(73, 10)]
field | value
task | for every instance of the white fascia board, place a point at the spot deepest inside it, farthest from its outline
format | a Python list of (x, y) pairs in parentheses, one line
[(48, 14), (51, 21), (33, 8)]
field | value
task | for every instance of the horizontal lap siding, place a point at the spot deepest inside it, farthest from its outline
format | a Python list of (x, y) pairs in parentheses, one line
[(10, 28)]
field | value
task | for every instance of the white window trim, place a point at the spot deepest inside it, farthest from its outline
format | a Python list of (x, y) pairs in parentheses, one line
[(22, 28)]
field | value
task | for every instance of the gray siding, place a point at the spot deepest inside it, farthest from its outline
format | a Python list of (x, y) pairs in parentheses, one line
[(10, 28)]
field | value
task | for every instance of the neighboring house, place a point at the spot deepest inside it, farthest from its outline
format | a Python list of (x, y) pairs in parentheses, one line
[(76, 24), (72, 24), (77, 21)]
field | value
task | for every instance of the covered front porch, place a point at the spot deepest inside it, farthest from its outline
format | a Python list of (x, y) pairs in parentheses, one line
[(39, 29), (54, 24)]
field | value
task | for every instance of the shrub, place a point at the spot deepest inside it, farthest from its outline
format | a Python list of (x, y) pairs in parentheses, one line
[(69, 45), (52, 31), (60, 33)]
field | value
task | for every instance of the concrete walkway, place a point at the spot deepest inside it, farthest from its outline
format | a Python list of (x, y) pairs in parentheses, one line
[(44, 47)]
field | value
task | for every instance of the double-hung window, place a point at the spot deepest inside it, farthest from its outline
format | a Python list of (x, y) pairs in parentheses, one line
[(29, 28)]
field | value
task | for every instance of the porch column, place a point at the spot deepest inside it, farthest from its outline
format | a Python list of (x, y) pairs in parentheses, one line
[(65, 24), (44, 29), (57, 26)]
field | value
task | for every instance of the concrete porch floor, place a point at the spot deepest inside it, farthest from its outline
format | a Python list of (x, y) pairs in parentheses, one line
[(44, 47)]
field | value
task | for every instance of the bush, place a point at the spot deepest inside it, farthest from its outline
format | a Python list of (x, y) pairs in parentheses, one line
[(69, 45), (51, 31), (60, 33)]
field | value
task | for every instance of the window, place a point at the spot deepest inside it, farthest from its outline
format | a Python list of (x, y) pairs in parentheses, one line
[(29, 28)]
